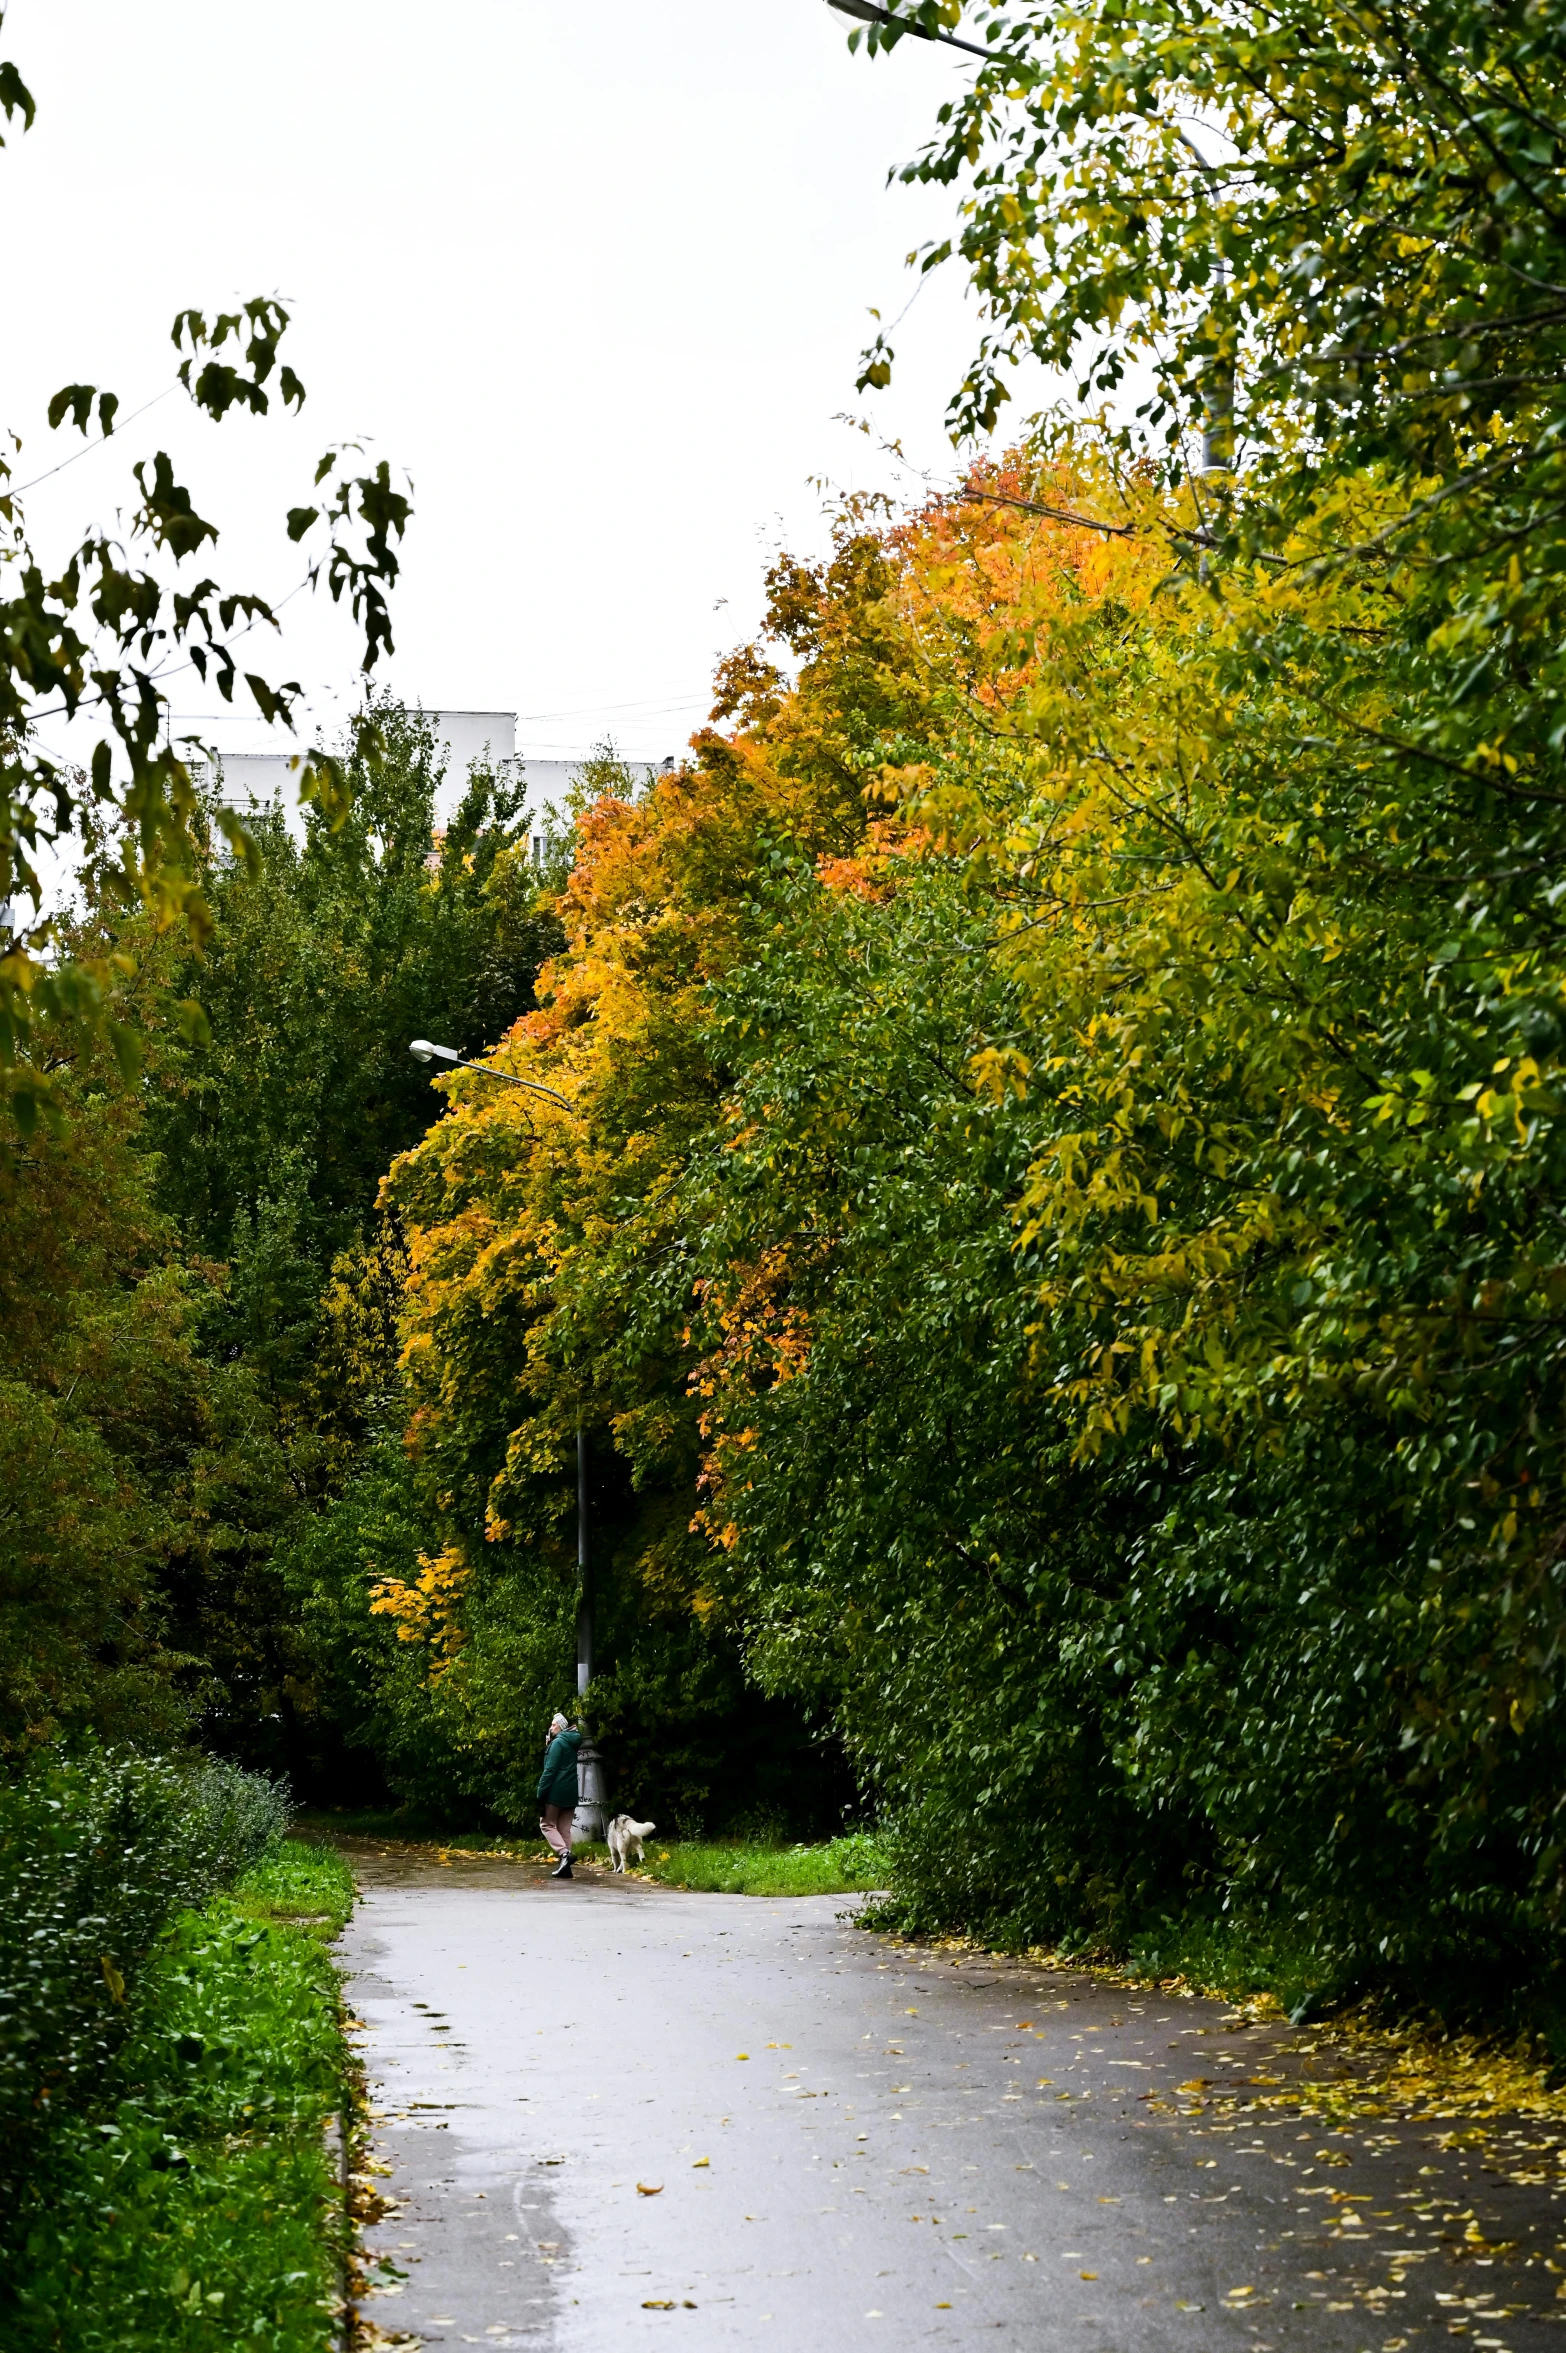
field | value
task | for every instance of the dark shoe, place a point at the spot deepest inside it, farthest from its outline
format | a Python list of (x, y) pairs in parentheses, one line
[(562, 1870)]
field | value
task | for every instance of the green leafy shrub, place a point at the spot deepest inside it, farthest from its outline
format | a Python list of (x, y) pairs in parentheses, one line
[(245, 1814), (98, 1852), (193, 2206)]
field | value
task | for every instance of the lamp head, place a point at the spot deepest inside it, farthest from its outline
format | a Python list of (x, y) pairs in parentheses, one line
[(423, 1050)]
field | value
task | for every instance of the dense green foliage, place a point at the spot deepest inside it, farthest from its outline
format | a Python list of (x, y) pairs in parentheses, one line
[(168, 2055), (276, 1130), (1050, 1212), (95, 1398), (908, 1538), (1276, 882), (145, 1472), (1261, 1666), (97, 1855), (272, 1135), (1068, 1265), (199, 1297), (197, 2193)]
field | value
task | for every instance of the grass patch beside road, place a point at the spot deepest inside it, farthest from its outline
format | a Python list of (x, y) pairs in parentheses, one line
[(299, 1885), (193, 2207), (850, 1865), (843, 1866)]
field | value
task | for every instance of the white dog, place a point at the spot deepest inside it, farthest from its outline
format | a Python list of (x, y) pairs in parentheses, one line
[(625, 1839)]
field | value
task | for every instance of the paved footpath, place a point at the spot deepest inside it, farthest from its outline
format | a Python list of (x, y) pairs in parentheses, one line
[(610, 2114)]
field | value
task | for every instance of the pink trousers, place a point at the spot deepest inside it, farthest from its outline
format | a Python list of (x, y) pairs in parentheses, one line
[(555, 1823)]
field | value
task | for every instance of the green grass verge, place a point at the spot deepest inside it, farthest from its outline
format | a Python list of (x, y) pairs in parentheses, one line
[(194, 2210), (299, 1885), (719, 1866), (843, 1866)]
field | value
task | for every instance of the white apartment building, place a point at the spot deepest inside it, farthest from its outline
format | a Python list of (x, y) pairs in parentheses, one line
[(255, 778)]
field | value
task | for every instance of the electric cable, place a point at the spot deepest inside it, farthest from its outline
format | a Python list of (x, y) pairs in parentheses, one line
[(88, 447)]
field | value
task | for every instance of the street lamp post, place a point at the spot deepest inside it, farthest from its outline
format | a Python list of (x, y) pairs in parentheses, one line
[(425, 1051), (584, 1564)]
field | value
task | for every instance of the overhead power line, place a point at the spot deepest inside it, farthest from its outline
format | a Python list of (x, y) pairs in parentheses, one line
[(648, 709), (87, 448), (902, 24)]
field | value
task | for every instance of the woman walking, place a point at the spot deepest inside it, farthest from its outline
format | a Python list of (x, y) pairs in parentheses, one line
[(557, 1792)]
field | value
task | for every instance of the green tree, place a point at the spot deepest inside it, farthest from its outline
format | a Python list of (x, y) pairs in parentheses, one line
[(272, 1131), (318, 970), (136, 1473), (1282, 914), (899, 1523)]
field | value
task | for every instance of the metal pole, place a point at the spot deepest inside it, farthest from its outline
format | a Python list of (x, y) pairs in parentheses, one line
[(584, 1563), (425, 1050)]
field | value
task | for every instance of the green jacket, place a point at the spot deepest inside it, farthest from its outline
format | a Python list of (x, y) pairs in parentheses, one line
[(557, 1782)]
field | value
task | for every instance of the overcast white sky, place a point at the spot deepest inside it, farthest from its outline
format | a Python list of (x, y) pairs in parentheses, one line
[(596, 275)]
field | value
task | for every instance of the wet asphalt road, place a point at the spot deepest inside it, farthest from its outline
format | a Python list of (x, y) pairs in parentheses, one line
[(848, 2141)]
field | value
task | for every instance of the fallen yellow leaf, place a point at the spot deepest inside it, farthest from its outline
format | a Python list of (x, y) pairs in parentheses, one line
[(698, 2162), (649, 2189)]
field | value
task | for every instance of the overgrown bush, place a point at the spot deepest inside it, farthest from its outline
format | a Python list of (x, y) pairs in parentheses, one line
[(192, 2205), (98, 1852), (245, 1813)]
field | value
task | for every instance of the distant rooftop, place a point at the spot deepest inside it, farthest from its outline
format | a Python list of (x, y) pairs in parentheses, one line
[(253, 779)]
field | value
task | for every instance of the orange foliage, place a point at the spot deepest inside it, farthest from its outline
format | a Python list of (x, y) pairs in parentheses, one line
[(528, 1225)]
